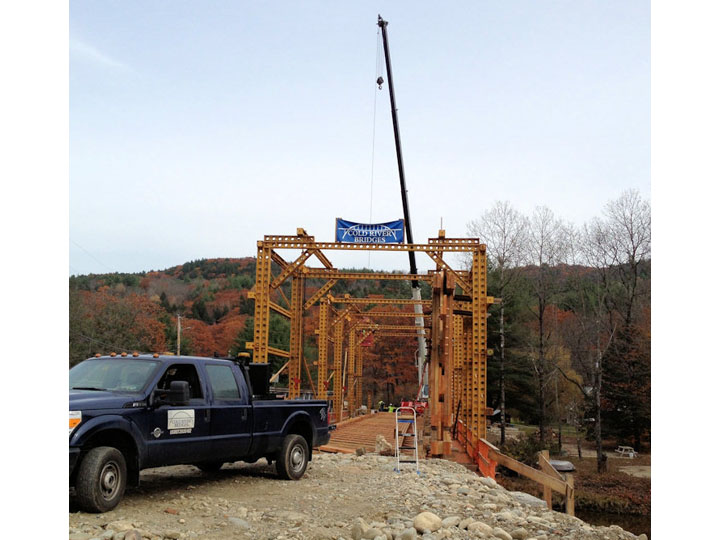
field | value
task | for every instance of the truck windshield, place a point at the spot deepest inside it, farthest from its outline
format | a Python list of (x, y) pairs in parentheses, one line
[(115, 375)]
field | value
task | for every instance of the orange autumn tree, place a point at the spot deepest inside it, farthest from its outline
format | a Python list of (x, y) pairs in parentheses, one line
[(110, 321)]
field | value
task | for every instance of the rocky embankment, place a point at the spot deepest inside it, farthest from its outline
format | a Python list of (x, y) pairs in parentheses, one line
[(341, 497)]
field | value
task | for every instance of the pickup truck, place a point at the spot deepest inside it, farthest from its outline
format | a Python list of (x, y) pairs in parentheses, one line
[(134, 412)]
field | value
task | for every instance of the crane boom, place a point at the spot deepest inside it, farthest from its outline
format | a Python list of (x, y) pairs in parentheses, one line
[(406, 209)]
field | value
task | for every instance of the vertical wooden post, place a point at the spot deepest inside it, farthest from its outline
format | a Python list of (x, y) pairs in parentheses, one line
[(458, 364), (296, 337), (434, 375), (570, 495), (352, 350), (466, 406), (358, 375), (547, 492), (263, 276), (323, 349), (337, 363), (479, 344)]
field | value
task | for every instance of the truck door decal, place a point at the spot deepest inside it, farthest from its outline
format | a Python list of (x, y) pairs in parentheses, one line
[(181, 421)]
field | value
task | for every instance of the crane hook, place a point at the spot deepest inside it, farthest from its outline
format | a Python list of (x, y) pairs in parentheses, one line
[(380, 82)]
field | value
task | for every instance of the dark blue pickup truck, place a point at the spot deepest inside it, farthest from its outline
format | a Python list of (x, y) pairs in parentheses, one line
[(129, 413)]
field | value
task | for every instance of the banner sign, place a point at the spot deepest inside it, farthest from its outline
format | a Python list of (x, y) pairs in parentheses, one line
[(350, 232)]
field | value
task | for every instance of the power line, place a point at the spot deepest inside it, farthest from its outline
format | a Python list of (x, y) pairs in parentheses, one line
[(99, 342), (93, 257)]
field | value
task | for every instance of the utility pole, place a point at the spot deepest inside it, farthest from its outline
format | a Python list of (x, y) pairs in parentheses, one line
[(419, 321), (178, 333)]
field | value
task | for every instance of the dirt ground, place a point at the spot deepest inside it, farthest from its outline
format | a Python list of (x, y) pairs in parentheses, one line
[(182, 501), (639, 471)]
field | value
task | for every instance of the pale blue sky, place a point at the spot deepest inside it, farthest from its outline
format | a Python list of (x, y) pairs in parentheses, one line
[(198, 127)]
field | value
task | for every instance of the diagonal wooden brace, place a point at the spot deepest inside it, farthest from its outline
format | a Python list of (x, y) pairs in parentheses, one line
[(282, 263), (320, 293), (289, 269), (322, 258), (464, 285)]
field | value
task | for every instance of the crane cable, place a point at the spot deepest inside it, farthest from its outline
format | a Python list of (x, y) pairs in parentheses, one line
[(378, 80)]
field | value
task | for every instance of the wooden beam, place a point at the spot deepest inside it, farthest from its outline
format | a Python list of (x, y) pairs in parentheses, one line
[(464, 285), (543, 461), (307, 372), (290, 269), (271, 350), (277, 259), (320, 293), (322, 258), (570, 495), (275, 377), (279, 309), (331, 273), (532, 474), (282, 294)]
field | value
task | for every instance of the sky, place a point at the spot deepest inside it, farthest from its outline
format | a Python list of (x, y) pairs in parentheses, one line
[(196, 128)]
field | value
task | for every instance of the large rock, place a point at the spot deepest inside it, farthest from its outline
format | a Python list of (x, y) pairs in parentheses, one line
[(500, 533), (479, 526), (293, 519), (489, 482), (539, 521), (451, 521), (358, 529), (528, 499), (465, 523), (427, 522), (519, 534), (120, 525), (383, 447), (372, 533)]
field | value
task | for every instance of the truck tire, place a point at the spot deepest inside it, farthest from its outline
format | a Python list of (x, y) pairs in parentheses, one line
[(101, 479), (210, 466), (293, 458)]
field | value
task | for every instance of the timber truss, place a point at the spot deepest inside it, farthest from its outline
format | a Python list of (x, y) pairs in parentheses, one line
[(454, 323)]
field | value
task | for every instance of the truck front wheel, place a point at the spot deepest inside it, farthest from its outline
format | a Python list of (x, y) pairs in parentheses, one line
[(210, 466), (101, 479), (293, 458)]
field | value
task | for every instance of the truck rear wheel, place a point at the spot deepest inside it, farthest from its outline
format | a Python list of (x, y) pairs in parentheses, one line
[(293, 458), (101, 479)]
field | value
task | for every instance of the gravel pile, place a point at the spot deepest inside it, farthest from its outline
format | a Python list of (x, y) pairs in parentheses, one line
[(341, 497)]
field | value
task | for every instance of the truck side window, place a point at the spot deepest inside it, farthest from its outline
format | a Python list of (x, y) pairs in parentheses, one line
[(223, 383), (182, 372)]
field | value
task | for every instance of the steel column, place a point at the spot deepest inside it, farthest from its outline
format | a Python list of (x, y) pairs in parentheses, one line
[(352, 346), (263, 276), (296, 336), (337, 363), (323, 350)]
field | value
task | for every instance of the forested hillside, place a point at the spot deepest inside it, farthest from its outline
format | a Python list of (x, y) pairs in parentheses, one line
[(571, 336)]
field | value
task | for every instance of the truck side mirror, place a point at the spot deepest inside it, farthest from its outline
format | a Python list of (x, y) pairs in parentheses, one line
[(178, 394)]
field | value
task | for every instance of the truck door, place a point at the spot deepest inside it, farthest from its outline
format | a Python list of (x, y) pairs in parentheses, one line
[(180, 434), (231, 417)]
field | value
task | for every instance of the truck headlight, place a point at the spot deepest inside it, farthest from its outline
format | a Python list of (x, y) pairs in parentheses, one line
[(75, 419)]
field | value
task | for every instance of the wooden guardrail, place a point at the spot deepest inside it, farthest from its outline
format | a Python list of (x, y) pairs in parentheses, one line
[(548, 477)]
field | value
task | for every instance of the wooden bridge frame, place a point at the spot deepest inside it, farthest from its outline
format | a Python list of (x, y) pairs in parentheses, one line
[(458, 321)]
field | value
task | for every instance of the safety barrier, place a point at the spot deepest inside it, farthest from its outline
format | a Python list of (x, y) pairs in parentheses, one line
[(487, 457)]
